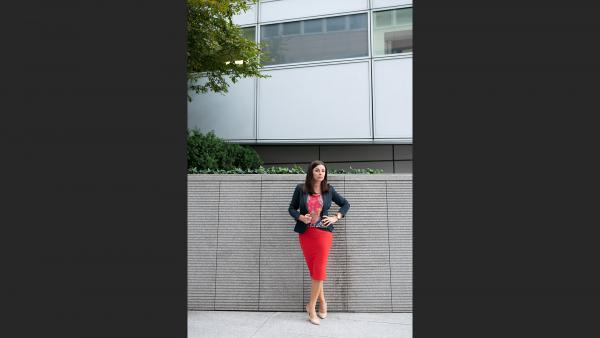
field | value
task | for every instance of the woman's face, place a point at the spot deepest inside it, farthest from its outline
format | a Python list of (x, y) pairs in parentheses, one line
[(319, 173)]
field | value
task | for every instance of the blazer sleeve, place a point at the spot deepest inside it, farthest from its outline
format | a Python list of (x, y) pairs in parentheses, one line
[(295, 203), (341, 201)]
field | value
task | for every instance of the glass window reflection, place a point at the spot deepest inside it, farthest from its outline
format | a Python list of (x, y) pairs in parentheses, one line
[(392, 31)]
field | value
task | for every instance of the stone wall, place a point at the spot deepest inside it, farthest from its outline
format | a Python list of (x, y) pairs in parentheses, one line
[(243, 254)]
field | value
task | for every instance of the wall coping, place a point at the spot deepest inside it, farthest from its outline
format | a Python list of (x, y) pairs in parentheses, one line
[(298, 177)]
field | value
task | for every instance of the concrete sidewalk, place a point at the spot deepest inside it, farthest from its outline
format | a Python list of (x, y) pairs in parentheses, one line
[(227, 324)]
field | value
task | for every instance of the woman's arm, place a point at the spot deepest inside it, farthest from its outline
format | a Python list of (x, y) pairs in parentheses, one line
[(341, 201), (295, 204)]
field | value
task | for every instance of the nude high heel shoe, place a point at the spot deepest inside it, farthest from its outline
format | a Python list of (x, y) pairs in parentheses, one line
[(323, 314), (315, 320)]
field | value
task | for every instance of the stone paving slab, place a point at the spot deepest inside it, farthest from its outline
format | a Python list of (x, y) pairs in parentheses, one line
[(231, 324)]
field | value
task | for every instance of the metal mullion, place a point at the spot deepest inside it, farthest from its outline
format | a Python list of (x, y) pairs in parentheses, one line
[(256, 80), (380, 9), (408, 55), (371, 81), (319, 63), (324, 16)]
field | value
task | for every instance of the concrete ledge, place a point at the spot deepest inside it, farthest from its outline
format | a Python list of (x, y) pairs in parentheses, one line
[(298, 177)]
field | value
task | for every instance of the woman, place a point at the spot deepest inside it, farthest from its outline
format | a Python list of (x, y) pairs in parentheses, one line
[(315, 229)]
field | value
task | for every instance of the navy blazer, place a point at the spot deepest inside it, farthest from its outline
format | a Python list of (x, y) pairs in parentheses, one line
[(300, 200)]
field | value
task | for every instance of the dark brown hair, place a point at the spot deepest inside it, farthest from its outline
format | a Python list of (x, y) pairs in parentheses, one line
[(308, 182)]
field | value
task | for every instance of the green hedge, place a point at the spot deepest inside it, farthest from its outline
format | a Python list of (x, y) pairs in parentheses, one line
[(209, 154), (207, 151), (281, 170)]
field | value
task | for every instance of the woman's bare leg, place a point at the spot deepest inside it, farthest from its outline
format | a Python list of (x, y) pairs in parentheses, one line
[(315, 290), (322, 299)]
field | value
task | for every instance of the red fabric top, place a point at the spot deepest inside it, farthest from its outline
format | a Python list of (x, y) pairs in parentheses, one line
[(315, 205)]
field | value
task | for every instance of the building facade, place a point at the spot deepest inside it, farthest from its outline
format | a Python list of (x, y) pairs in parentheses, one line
[(339, 86)]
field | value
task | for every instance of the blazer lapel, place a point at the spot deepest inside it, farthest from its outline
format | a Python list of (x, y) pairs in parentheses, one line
[(304, 203), (327, 200)]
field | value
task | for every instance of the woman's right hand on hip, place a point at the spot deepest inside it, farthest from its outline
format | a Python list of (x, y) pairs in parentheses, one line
[(305, 218)]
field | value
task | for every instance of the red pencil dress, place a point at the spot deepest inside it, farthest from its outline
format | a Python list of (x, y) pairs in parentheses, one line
[(315, 243)]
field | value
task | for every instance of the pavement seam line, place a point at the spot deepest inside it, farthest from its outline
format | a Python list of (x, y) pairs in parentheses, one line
[(387, 215), (263, 324), (217, 251), (370, 321), (259, 239)]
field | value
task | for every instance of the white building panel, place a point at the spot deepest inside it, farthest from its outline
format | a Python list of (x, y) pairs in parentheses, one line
[(231, 116), (249, 17), (389, 3), (292, 9), (318, 102), (392, 98)]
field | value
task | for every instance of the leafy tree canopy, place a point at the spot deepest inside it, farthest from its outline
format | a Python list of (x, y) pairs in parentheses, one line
[(216, 48)]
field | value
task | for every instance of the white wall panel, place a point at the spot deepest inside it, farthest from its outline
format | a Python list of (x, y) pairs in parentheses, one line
[(230, 115), (318, 102), (389, 3), (392, 98), (290, 9), (247, 18)]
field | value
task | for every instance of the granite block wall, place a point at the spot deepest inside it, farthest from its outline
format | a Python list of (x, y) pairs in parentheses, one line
[(243, 254)]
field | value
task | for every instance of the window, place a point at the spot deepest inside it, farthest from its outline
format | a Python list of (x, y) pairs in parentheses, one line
[(358, 21), (392, 31), (404, 16), (291, 28), (249, 33), (336, 23), (316, 39), (383, 19), (268, 31), (313, 26)]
